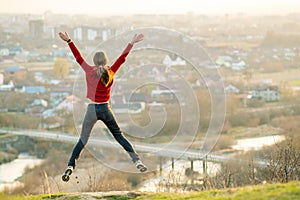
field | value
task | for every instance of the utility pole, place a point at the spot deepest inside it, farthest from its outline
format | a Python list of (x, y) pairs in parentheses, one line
[(204, 166), (192, 172)]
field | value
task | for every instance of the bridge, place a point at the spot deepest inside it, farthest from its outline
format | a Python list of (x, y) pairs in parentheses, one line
[(184, 154)]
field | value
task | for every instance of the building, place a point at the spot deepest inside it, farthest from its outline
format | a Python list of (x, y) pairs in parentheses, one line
[(15, 72), (105, 33), (239, 65), (229, 88), (173, 60), (266, 93), (167, 96), (32, 89), (37, 107), (84, 33), (4, 51), (36, 28), (131, 108), (1, 79), (7, 87)]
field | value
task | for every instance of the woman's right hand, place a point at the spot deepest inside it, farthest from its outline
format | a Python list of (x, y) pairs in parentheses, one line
[(64, 36)]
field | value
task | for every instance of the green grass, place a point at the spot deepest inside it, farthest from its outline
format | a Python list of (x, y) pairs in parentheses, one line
[(3, 134), (290, 191)]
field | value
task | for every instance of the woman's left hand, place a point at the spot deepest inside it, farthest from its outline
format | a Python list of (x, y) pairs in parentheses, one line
[(137, 38)]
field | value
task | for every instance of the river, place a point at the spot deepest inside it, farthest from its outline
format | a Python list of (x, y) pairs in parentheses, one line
[(10, 172), (168, 177), (257, 142)]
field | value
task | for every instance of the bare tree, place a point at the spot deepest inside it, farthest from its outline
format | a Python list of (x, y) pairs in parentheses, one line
[(284, 162)]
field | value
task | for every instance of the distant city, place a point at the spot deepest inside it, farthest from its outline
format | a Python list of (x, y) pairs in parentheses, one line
[(30, 52)]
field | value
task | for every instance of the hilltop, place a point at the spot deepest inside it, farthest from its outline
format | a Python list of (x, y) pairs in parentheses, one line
[(268, 191)]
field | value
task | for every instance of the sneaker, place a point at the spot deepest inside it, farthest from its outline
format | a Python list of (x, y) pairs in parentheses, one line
[(70, 169), (140, 166), (66, 176)]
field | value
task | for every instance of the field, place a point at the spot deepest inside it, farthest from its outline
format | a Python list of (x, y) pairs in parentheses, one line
[(289, 191)]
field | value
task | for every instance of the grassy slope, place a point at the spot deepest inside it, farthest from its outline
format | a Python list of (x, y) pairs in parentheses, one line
[(288, 191)]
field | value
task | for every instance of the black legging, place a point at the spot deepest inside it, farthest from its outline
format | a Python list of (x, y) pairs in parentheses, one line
[(104, 113)]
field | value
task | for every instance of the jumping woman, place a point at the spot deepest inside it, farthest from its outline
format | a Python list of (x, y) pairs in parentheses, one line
[(99, 79)]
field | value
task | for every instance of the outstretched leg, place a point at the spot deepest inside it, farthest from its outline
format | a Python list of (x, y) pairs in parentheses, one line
[(88, 123), (111, 123)]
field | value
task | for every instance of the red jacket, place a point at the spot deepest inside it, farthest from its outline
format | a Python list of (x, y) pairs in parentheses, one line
[(96, 91)]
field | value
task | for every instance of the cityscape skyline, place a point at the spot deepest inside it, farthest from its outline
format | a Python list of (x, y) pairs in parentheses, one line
[(121, 7)]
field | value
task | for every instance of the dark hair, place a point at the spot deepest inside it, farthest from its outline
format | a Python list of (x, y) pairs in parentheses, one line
[(100, 59)]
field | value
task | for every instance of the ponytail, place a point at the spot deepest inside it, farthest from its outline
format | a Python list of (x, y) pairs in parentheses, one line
[(105, 74)]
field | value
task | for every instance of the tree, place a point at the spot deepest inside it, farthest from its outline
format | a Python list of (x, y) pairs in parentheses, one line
[(284, 162), (61, 67)]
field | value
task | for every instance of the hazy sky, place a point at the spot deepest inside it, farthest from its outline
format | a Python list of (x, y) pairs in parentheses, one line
[(150, 6)]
